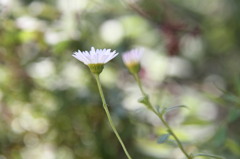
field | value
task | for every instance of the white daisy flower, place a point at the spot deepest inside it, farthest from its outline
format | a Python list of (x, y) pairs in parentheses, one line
[(98, 56), (132, 60), (95, 59)]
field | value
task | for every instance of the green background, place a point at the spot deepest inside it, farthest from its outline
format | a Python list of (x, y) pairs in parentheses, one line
[(49, 103)]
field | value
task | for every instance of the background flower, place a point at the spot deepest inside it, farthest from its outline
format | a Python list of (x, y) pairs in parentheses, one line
[(132, 60), (132, 56)]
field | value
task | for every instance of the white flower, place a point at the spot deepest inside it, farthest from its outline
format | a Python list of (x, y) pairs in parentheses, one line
[(98, 56), (95, 59), (132, 57)]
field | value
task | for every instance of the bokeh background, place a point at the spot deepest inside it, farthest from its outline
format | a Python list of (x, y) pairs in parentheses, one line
[(49, 103)]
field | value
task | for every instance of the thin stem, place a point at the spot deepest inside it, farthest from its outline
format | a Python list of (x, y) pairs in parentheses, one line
[(139, 84), (109, 116), (175, 137), (150, 106)]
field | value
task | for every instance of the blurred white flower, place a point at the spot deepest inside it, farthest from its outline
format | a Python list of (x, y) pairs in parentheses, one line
[(112, 31), (132, 56), (30, 23), (132, 60)]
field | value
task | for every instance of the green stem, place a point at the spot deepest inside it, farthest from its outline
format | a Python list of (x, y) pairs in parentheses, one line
[(109, 116), (139, 84), (150, 106)]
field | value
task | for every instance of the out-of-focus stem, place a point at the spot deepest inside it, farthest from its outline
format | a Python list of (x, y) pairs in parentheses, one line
[(150, 106)]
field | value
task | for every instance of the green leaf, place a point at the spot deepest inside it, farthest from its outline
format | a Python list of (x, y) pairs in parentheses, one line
[(194, 120), (232, 98), (163, 138), (143, 100), (158, 108), (208, 155), (172, 108)]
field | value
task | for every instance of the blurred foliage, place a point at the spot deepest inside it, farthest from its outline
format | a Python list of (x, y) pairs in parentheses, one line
[(49, 102)]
